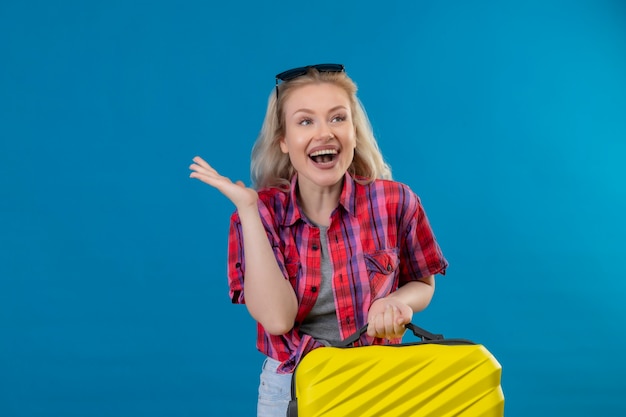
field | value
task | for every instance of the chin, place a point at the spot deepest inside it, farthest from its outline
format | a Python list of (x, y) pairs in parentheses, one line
[(328, 181)]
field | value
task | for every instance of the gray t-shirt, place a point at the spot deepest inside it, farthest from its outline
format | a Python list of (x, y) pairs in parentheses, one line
[(321, 323)]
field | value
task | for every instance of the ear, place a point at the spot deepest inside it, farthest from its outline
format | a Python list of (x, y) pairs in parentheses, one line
[(283, 145)]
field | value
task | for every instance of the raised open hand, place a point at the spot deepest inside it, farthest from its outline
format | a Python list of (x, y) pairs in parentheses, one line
[(241, 196)]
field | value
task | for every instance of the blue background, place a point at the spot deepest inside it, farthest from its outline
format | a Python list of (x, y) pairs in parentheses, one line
[(507, 118)]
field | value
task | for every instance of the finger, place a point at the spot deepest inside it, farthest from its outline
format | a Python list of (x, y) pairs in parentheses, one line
[(206, 174), (201, 173), (204, 178), (398, 322), (206, 169), (203, 168), (201, 163), (371, 326), (198, 160), (387, 321), (376, 327), (197, 169), (381, 328), (222, 184)]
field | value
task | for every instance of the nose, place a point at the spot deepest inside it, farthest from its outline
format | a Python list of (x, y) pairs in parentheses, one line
[(324, 133)]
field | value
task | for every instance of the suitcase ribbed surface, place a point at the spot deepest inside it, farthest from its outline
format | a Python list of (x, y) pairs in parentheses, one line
[(426, 380)]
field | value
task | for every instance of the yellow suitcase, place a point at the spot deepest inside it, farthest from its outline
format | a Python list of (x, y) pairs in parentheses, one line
[(435, 377)]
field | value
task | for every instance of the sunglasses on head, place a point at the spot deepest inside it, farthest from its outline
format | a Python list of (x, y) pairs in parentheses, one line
[(300, 71)]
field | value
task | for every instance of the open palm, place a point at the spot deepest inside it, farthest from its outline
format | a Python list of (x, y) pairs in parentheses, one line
[(237, 192)]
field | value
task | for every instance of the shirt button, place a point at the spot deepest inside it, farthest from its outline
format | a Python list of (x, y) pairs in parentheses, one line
[(315, 247), (388, 267), (313, 289)]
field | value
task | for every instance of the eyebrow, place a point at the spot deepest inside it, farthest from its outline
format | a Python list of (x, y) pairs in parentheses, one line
[(334, 109)]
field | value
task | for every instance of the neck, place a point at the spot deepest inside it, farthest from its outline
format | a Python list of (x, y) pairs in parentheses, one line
[(318, 204)]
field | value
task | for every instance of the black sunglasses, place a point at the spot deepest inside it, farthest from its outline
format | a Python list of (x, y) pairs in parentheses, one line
[(300, 71)]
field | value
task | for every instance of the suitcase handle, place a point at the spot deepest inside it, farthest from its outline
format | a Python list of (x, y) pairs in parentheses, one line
[(423, 334)]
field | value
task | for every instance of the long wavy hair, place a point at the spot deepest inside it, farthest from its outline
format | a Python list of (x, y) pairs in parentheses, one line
[(270, 167)]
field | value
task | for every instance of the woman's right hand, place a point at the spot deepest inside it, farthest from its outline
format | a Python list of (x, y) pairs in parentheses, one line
[(241, 196)]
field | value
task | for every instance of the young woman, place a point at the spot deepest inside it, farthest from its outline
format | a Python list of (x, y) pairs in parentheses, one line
[(324, 242)]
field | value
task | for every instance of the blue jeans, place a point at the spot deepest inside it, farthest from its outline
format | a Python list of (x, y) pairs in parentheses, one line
[(274, 391)]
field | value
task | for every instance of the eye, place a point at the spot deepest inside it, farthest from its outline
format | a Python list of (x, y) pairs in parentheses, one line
[(305, 122), (338, 118)]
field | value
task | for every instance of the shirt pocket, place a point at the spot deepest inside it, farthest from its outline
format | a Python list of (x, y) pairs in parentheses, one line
[(382, 268)]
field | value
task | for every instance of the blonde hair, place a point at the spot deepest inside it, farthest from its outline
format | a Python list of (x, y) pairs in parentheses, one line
[(270, 167)]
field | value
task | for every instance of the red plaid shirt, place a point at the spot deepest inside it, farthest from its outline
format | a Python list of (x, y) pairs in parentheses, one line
[(379, 239)]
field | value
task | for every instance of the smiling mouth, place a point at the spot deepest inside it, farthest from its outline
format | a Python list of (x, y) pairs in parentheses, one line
[(323, 156)]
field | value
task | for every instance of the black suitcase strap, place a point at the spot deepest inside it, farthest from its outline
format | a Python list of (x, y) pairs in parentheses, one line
[(423, 334)]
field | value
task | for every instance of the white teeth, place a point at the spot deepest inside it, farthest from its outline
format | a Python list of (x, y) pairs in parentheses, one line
[(324, 152)]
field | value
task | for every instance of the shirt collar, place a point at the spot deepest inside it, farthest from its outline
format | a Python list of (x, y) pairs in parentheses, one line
[(347, 199)]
